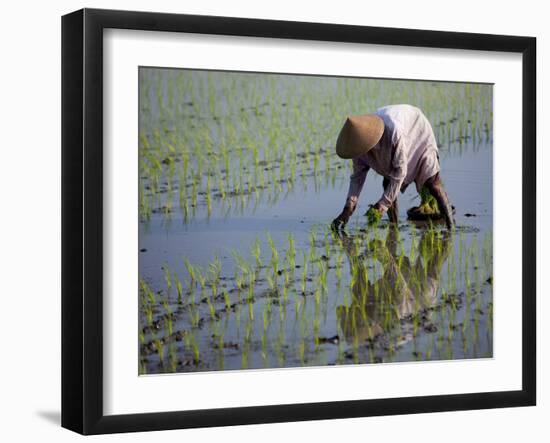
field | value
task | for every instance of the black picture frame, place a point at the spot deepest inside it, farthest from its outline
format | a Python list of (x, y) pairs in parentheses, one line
[(82, 218)]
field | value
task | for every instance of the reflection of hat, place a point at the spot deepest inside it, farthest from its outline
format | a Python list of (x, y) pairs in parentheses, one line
[(359, 135)]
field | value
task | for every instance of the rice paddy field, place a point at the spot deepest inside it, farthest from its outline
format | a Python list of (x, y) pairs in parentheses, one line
[(238, 184)]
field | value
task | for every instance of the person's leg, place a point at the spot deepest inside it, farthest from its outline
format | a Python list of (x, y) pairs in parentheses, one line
[(393, 210), (435, 186)]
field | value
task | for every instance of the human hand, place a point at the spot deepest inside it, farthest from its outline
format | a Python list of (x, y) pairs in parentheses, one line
[(378, 207), (342, 219)]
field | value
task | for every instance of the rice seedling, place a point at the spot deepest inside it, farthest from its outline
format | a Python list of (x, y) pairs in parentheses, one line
[(168, 317), (147, 293), (312, 246), (211, 309), (327, 245), (191, 271), (214, 270), (167, 277), (373, 217), (272, 281), (227, 300), (239, 281), (323, 271), (303, 280), (202, 280), (338, 268), (179, 287), (274, 253), (159, 346), (291, 250), (149, 314), (251, 280)]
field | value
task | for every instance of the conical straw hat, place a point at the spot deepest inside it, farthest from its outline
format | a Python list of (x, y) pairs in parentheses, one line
[(359, 135)]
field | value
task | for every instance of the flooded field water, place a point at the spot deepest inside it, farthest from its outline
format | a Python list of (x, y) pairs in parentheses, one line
[(238, 267)]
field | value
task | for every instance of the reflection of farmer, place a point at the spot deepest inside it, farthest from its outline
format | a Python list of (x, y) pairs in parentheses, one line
[(397, 142), (404, 289)]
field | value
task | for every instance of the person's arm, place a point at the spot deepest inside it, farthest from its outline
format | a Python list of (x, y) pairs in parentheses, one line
[(396, 177), (356, 182)]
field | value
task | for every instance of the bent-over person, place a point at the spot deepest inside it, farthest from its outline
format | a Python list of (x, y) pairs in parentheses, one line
[(398, 143)]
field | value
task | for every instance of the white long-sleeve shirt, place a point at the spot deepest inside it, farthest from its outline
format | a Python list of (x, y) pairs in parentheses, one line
[(406, 152)]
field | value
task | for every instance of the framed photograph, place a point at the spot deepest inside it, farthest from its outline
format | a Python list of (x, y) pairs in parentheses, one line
[(269, 221)]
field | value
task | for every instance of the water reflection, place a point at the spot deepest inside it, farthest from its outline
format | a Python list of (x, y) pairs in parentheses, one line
[(405, 286)]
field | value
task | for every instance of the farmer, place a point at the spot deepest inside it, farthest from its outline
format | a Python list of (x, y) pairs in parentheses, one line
[(397, 142)]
